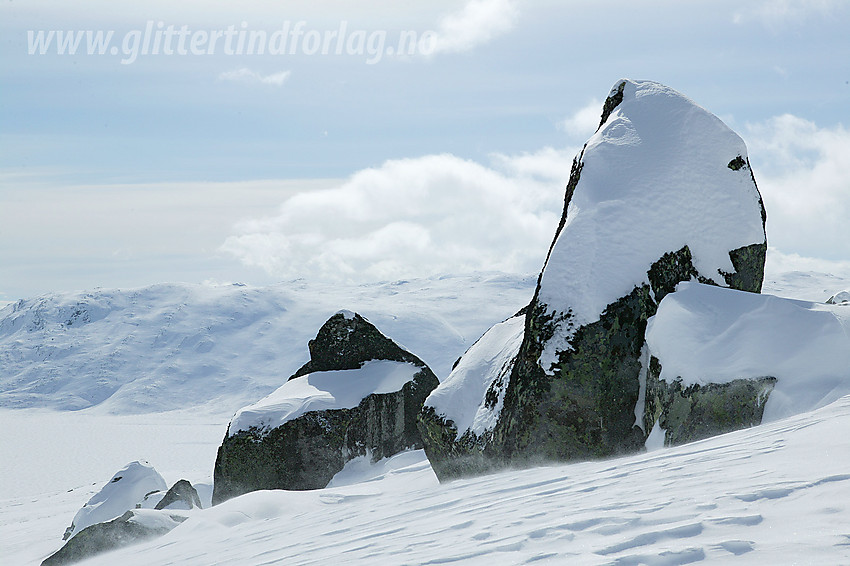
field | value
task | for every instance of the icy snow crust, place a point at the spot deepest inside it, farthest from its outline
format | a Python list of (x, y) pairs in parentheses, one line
[(460, 397), (322, 390), (655, 178), (706, 334), (126, 488)]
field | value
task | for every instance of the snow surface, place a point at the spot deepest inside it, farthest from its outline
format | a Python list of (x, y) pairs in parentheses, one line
[(341, 389), (121, 493), (655, 178), (706, 334), (773, 494), (460, 398), (171, 346)]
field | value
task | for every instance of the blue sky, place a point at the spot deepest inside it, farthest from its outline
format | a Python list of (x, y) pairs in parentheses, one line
[(195, 167)]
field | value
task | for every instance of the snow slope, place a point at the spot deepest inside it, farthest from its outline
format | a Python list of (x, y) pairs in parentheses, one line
[(706, 334), (172, 346), (655, 177), (774, 494)]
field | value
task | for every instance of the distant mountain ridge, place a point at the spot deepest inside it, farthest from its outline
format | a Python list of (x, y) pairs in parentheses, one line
[(171, 346)]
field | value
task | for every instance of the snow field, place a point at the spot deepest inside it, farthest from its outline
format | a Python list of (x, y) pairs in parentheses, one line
[(773, 494)]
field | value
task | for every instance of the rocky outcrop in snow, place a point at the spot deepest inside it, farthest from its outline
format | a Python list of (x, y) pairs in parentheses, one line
[(661, 193), (842, 298), (130, 528), (181, 495), (123, 492), (120, 513), (720, 359), (358, 395)]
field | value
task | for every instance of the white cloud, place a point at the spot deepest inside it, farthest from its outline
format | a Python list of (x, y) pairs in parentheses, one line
[(247, 75), (584, 122), (775, 14), (476, 23), (804, 176), (414, 217), (443, 214)]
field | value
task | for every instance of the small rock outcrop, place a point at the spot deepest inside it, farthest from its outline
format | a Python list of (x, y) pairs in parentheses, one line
[(129, 486), (181, 495), (841, 298), (661, 193), (359, 394), (130, 528)]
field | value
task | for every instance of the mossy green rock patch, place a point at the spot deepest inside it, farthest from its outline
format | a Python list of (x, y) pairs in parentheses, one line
[(694, 412)]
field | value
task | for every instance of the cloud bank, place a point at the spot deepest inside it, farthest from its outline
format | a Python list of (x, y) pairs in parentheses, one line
[(804, 177), (414, 217), (443, 214)]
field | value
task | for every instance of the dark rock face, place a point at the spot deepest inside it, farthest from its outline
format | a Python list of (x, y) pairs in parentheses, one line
[(103, 537), (687, 414), (183, 493), (583, 405), (346, 341), (306, 452)]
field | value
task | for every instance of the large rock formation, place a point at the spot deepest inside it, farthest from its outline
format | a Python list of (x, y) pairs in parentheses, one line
[(661, 193), (359, 394)]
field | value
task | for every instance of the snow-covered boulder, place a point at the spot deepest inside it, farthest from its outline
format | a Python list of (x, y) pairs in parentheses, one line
[(793, 356), (359, 394), (131, 527), (661, 193), (127, 489), (473, 394), (842, 298)]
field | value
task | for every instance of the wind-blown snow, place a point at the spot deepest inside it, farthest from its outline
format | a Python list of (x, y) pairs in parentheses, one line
[(460, 397), (341, 389), (706, 334), (126, 488), (656, 177)]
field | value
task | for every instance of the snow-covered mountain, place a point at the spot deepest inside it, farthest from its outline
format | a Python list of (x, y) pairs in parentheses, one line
[(173, 346)]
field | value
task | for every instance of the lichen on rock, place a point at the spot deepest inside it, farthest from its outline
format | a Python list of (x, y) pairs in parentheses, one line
[(693, 412)]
